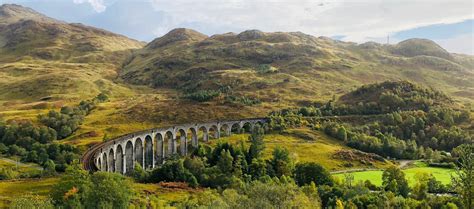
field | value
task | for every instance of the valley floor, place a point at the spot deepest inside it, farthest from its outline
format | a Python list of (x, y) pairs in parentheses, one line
[(375, 176), (304, 145), (152, 108)]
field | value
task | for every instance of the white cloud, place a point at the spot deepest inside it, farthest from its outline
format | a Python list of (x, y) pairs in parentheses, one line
[(463, 43), (267, 15), (354, 20), (357, 20), (97, 5)]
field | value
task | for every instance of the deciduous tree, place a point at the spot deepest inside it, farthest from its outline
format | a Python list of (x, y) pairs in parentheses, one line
[(463, 181)]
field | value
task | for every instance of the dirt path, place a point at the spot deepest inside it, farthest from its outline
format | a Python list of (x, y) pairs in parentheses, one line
[(404, 163)]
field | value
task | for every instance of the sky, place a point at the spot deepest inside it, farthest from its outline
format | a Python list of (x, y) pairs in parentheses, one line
[(450, 23)]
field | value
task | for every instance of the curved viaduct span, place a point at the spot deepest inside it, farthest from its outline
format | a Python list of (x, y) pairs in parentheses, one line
[(152, 147)]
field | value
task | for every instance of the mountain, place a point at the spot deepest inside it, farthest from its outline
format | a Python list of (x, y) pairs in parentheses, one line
[(396, 93), (42, 56), (291, 68), (25, 32), (419, 47), (176, 36), (238, 75), (11, 13)]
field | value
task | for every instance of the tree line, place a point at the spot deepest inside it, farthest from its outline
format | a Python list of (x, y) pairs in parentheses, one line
[(239, 177), (423, 124), (37, 142)]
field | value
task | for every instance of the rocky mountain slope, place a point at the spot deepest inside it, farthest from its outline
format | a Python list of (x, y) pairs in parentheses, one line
[(42, 56), (292, 67)]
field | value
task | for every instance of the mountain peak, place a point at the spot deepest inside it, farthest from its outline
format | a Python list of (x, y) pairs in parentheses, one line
[(10, 13), (418, 47), (177, 35), (9, 9), (23, 28), (185, 31), (249, 35)]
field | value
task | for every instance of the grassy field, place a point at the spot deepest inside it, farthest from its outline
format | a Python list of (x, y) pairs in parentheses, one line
[(19, 167), (307, 72), (15, 188), (147, 194), (441, 174), (159, 196), (305, 146)]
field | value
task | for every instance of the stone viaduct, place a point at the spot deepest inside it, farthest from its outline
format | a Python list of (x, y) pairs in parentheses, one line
[(152, 147)]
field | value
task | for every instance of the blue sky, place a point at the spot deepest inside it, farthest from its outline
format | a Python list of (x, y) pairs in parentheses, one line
[(448, 22)]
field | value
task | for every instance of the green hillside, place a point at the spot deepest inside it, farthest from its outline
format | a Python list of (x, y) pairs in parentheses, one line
[(275, 67), (43, 57), (402, 95), (420, 47), (307, 145), (238, 75), (47, 64), (441, 174), (332, 106)]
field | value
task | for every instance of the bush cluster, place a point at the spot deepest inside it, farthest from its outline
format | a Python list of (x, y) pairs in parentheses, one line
[(36, 143), (242, 100), (411, 129), (202, 95)]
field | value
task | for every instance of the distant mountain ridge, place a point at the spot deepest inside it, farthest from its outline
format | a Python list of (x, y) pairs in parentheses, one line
[(41, 55), (176, 35), (10, 13), (22, 28), (418, 47), (189, 61)]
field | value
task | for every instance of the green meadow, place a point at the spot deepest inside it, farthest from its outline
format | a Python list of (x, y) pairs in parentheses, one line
[(305, 145), (15, 188), (441, 174)]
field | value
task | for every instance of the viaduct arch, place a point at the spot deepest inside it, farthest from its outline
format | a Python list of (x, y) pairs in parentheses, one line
[(152, 147)]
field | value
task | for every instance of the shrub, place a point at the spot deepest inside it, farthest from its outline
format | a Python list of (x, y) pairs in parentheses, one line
[(442, 165), (203, 95), (3, 148), (16, 150), (79, 189), (7, 173), (305, 173), (394, 180), (172, 170), (102, 97), (64, 122), (49, 168), (30, 201), (242, 100), (264, 69)]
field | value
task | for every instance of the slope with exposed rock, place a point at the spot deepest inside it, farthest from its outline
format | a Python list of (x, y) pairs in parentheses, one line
[(275, 67), (46, 57)]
